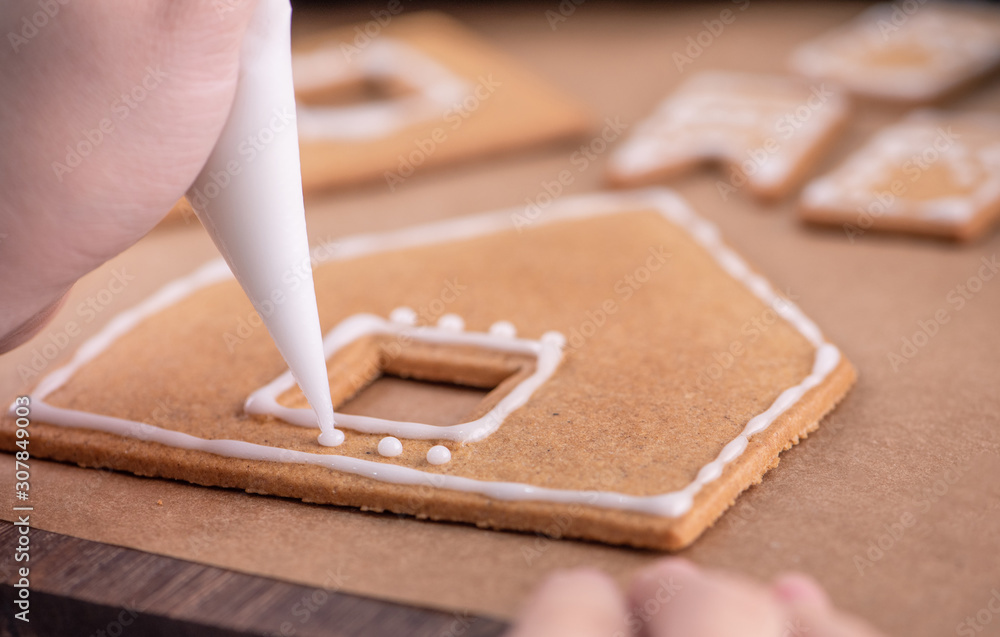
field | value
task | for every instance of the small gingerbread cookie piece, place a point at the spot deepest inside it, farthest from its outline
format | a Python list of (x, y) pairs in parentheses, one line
[(767, 129), (424, 92), (932, 173), (906, 53)]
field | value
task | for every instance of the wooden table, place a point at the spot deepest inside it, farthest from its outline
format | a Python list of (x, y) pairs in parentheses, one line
[(80, 587)]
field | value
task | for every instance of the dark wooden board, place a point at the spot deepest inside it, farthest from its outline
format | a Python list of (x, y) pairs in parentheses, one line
[(88, 588)]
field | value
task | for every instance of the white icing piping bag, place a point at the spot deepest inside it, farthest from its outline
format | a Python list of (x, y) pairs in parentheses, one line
[(249, 197)]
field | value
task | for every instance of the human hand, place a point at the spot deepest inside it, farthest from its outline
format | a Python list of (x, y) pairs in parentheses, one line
[(108, 112), (675, 598)]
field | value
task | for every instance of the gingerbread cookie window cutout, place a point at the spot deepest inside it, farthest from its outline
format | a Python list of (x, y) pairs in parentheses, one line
[(933, 173), (379, 90), (908, 52), (426, 92), (766, 131), (527, 362)]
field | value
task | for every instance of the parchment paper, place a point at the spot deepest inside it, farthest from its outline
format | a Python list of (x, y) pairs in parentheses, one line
[(895, 498)]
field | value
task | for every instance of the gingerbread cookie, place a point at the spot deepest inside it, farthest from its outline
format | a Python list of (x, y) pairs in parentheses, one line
[(933, 173), (424, 91), (611, 371), (766, 130), (910, 52)]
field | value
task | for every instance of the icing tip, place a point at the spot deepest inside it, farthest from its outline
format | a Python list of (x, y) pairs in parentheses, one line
[(332, 438)]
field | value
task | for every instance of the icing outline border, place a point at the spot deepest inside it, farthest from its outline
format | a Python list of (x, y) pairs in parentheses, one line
[(671, 504)]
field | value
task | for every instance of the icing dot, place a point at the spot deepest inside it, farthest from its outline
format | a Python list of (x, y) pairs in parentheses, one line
[(390, 447), (403, 315), (438, 454), (452, 322), (554, 338), (504, 329), (332, 438)]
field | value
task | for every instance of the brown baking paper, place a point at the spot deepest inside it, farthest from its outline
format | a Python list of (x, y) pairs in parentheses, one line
[(895, 498)]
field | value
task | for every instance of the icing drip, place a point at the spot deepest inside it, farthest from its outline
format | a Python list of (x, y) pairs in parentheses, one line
[(390, 447), (438, 455)]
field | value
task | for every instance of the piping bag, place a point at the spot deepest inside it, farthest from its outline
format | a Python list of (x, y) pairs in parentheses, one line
[(249, 198)]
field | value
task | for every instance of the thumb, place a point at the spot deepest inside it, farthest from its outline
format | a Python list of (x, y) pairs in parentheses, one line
[(110, 110), (577, 603)]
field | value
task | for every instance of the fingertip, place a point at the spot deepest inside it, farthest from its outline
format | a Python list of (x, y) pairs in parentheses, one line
[(671, 573), (677, 566), (800, 590), (576, 602), (580, 580)]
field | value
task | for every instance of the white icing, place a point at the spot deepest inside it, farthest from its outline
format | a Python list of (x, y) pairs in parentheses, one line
[(451, 322), (503, 329), (951, 45), (256, 215), (435, 90), (331, 438), (922, 141), (438, 455), (390, 447), (755, 122), (670, 504), (547, 352), (403, 316)]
